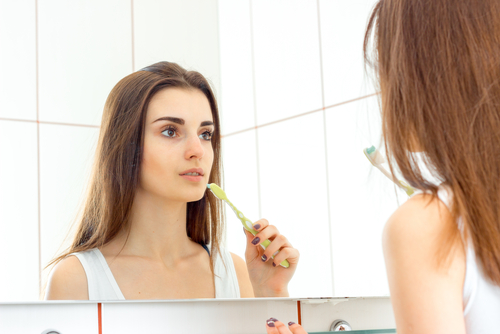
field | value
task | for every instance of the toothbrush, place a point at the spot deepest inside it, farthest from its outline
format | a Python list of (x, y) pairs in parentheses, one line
[(219, 193), (377, 159)]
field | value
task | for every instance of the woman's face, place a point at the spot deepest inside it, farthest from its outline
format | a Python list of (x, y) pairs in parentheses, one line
[(178, 154)]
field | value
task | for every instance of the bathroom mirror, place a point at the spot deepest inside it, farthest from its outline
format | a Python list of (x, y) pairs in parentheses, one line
[(296, 106)]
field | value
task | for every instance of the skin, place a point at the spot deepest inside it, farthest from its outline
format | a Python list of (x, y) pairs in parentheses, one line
[(274, 326), (426, 294), (158, 260)]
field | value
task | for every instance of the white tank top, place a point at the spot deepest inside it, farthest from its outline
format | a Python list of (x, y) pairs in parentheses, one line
[(102, 284), (480, 296)]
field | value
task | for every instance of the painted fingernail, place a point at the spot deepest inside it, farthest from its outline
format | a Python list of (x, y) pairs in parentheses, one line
[(264, 259), (291, 323), (273, 319), (256, 241), (270, 323), (256, 226), (274, 265)]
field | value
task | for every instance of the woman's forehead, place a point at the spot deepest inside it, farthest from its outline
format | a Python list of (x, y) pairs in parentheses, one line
[(191, 105)]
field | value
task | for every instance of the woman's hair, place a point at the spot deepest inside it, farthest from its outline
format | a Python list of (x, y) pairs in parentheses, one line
[(438, 66), (115, 174)]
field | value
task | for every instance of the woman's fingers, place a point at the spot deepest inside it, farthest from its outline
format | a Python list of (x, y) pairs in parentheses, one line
[(274, 326), (261, 224), (289, 253), (270, 232), (271, 326), (296, 328), (279, 242)]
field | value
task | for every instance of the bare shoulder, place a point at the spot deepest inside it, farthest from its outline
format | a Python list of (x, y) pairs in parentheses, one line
[(425, 263), (67, 281), (240, 266), (421, 221)]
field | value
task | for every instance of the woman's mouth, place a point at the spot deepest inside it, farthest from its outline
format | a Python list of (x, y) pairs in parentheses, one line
[(194, 174)]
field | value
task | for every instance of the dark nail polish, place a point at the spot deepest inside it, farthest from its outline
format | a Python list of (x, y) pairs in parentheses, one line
[(273, 319), (274, 265), (256, 241), (291, 323), (270, 323), (256, 226), (264, 259)]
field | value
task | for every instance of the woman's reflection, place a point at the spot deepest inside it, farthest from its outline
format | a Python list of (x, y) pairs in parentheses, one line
[(150, 229)]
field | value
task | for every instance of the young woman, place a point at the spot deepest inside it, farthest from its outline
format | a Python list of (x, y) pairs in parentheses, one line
[(150, 229), (438, 65)]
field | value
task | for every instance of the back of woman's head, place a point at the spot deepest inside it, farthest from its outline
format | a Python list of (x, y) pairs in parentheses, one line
[(438, 65), (115, 174)]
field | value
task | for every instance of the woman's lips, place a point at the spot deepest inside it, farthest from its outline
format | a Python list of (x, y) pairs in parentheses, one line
[(193, 178), (193, 174)]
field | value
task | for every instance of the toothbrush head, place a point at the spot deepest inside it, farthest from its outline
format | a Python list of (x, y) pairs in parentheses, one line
[(375, 158), (217, 191)]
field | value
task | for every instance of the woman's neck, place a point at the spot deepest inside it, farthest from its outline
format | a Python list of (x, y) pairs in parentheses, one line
[(157, 230)]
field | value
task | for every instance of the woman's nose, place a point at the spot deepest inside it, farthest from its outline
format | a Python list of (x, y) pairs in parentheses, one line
[(194, 149)]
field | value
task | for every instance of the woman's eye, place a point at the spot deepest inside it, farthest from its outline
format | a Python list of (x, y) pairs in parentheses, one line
[(206, 135), (170, 133)]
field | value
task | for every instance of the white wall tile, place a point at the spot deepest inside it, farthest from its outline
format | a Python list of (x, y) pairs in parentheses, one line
[(66, 155), (361, 199), (183, 32), (240, 185), (343, 25), (293, 197), (18, 211), (64, 317), (18, 60), (85, 48), (287, 58), (236, 98)]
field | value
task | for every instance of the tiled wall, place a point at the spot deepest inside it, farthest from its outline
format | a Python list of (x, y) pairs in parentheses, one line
[(296, 112)]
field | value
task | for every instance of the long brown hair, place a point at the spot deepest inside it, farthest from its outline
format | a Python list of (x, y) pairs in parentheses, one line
[(115, 174), (438, 65)]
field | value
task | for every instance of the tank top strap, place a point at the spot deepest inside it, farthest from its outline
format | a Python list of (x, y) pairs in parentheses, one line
[(226, 281), (101, 283)]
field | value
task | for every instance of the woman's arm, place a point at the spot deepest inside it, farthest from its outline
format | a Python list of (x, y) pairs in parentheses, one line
[(67, 281), (426, 293), (246, 290)]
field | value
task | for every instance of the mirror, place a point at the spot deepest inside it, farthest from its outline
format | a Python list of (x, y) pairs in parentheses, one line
[(296, 107)]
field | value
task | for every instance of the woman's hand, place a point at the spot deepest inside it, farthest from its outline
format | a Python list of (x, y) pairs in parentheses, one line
[(268, 278), (274, 326)]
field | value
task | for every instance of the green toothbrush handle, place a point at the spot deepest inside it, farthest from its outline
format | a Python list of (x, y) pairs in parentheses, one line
[(247, 225)]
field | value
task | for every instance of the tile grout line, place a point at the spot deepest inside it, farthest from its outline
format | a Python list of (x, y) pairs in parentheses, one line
[(298, 115), (133, 40), (226, 135), (46, 122), (325, 134), (257, 160), (37, 93)]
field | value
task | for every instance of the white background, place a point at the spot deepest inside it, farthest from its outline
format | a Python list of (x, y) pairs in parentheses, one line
[(296, 107)]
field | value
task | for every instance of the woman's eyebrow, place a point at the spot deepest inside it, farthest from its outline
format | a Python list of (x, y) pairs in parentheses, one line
[(171, 119), (206, 123)]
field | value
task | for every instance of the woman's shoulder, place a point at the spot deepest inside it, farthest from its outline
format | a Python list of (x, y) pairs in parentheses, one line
[(422, 231), (67, 280), (421, 215)]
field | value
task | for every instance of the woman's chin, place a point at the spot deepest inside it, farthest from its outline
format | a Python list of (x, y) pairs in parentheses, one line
[(195, 197)]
